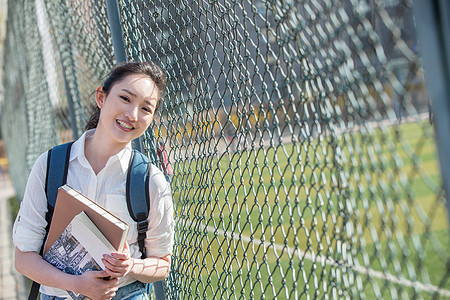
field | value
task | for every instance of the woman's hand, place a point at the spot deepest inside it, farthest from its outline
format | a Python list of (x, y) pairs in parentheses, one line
[(118, 264), (95, 287)]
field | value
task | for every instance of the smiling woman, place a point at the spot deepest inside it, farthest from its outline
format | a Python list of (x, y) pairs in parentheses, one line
[(151, 70), (98, 167)]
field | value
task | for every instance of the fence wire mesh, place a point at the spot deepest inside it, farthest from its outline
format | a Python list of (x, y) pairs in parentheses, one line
[(298, 135)]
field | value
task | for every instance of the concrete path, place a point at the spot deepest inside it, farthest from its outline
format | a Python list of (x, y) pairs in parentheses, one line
[(12, 284)]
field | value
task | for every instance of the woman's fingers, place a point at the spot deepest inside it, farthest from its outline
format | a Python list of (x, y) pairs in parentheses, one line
[(116, 267)]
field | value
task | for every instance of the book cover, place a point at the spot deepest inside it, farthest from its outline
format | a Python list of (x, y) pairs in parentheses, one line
[(79, 249), (69, 203)]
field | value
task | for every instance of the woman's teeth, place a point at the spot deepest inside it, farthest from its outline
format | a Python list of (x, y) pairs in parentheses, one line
[(125, 125)]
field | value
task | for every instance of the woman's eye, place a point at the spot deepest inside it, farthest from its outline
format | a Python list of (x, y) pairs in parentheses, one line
[(125, 98), (149, 110)]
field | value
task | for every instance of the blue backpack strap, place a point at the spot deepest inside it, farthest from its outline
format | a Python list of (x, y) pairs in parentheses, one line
[(138, 199), (56, 171), (139, 205), (56, 176)]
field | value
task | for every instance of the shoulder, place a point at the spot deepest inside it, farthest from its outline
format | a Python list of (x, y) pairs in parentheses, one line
[(159, 190), (40, 165), (156, 177), (39, 169), (36, 178), (158, 186)]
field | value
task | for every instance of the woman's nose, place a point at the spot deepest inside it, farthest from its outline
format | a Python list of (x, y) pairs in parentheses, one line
[(132, 113)]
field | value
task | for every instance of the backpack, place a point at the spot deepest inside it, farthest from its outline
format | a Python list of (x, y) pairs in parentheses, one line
[(138, 197)]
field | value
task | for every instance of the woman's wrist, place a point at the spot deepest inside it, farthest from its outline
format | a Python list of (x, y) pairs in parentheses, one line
[(70, 282), (134, 266)]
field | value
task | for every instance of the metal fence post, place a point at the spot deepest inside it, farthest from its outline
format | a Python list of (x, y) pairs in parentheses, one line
[(65, 47), (433, 29), (112, 8), (70, 101)]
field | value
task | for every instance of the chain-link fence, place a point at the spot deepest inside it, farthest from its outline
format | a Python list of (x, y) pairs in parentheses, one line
[(299, 137)]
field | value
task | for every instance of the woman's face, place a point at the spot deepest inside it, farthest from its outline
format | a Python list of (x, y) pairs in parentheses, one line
[(128, 109)]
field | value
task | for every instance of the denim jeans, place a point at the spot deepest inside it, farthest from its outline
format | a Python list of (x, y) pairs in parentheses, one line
[(48, 297), (132, 291)]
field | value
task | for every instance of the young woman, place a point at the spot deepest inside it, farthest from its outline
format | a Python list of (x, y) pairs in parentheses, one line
[(126, 104)]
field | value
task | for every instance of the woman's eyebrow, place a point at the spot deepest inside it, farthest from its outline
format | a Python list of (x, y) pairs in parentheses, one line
[(152, 104), (129, 92)]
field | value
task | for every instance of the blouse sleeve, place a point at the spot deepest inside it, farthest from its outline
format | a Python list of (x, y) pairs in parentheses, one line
[(159, 238), (30, 223)]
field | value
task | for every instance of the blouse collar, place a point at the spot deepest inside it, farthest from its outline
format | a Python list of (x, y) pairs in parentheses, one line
[(77, 152)]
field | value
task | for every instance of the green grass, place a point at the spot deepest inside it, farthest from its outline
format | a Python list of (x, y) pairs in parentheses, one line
[(367, 199)]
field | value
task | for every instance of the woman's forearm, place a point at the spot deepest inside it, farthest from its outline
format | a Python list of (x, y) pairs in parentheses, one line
[(151, 269), (90, 283), (31, 265)]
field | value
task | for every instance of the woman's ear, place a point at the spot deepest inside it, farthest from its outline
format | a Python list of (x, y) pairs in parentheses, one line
[(100, 97)]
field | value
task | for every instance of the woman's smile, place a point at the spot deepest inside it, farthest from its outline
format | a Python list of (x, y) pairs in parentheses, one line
[(124, 125)]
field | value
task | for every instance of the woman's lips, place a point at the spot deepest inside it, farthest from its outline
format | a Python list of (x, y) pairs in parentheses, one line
[(124, 125)]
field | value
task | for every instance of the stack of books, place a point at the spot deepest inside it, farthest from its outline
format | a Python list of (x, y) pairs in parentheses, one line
[(80, 233)]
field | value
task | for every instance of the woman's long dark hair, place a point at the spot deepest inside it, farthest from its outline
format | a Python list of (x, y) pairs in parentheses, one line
[(150, 69)]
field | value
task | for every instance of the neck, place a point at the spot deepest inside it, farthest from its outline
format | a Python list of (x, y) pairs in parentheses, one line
[(99, 149)]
